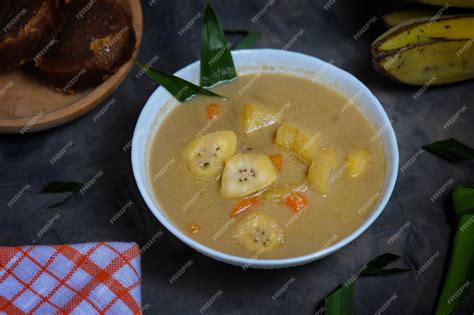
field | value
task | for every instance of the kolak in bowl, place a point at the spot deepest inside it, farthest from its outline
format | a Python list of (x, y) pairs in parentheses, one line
[(278, 166), (313, 210)]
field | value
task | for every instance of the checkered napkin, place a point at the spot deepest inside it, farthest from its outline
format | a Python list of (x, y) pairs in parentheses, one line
[(92, 278)]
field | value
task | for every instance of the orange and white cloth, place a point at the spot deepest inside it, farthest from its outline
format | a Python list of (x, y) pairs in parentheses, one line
[(91, 278)]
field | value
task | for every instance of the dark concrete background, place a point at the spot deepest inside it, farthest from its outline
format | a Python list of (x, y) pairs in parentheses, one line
[(102, 145)]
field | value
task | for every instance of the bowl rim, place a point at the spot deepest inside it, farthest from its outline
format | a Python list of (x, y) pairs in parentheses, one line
[(385, 194)]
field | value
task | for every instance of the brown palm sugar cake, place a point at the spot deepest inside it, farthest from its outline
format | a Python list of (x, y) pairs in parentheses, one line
[(282, 168), (96, 39), (27, 27)]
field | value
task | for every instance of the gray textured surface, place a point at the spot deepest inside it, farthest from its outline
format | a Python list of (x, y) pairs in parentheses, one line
[(99, 146)]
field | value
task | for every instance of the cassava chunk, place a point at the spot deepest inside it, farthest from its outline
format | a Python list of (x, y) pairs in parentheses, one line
[(357, 162), (320, 170), (256, 117)]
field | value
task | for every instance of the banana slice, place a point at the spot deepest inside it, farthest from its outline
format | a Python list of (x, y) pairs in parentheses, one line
[(205, 156), (256, 117), (258, 232), (247, 173)]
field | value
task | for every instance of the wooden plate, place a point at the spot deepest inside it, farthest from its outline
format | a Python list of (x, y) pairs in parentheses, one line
[(27, 105)]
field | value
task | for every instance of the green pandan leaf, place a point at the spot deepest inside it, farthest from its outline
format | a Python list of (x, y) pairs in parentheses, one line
[(460, 273), (217, 64), (340, 301), (181, 89), (450, 150), (249, 38), (62, 187), (248, 41), (377, 266), (463, 199)]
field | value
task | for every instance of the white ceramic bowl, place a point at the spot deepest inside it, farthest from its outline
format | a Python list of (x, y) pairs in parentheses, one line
[(268, 60)]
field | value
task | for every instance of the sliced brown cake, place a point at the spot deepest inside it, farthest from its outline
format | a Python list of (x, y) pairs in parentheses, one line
[(26, 28), (96, 39)]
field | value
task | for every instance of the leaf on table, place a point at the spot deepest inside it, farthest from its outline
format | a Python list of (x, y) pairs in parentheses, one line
[(60, 203), (217, 64), (461, 263), (461, 267), (463, 199), (61, 187), (377, 266), (181, 89), (450, 150), (340, 301)]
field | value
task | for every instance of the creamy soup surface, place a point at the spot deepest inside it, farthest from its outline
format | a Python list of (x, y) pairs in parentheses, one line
[(197, 206)]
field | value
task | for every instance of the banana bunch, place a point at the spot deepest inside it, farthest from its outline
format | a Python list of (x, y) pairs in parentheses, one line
[(425, 45)]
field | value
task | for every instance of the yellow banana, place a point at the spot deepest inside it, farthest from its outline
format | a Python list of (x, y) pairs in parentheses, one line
[(418, 51), (451, 3), (396, 17)]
